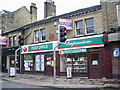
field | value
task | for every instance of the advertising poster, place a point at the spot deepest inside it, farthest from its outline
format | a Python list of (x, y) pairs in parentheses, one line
[(12, 71), (37, 58), (42, 62)]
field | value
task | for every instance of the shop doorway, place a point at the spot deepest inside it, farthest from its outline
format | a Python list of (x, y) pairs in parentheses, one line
[(49, 65), (95, 69)]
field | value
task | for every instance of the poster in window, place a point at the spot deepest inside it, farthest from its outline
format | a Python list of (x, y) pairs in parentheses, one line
[(26, 65), (37, 58), (95, 62), (42, 62)]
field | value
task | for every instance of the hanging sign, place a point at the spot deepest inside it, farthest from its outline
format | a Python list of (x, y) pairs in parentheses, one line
[(3, 40), (67, 23)]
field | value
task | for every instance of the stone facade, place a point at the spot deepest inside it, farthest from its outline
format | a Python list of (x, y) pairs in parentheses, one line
[(51, 28), (109, 14), (18, 18)]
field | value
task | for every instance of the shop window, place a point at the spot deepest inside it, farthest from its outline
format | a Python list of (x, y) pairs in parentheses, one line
[(78, 62), (43, 34), (14, 40), (79, 27), (89, 25), (28, 62), (118, 13), (36, 36), (10, 41), (39, 63)]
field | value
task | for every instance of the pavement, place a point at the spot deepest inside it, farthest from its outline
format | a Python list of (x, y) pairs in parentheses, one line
[(61, 82)]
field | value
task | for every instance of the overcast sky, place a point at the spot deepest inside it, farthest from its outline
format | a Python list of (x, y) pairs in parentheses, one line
[(62, 6)]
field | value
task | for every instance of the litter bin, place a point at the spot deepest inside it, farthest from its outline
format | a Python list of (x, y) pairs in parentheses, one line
[(12, 72)]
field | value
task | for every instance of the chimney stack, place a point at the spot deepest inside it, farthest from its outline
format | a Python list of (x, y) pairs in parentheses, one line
[(33, 12), (49, 9)]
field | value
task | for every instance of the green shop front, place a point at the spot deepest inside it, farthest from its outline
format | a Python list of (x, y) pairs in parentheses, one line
[(38, 58), (85, 56)]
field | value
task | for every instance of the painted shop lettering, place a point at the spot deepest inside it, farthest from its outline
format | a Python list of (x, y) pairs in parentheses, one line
[(39, 47), (73, 43)]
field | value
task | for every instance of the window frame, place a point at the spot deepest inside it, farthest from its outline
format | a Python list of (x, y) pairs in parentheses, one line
[(79, 27), (42, 34), (10, 41), (118, 15), (89, 26), (14, 40), (84, 27), (35, 36)]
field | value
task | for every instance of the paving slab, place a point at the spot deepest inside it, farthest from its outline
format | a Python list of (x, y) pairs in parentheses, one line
[(98, 83), (88, 83)]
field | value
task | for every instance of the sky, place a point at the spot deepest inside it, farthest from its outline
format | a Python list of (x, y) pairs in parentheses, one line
[(62, 6)]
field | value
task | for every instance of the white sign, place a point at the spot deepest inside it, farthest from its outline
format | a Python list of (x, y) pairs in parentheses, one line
[(116, 52), (69, 72), (37, 58), (12, 71)]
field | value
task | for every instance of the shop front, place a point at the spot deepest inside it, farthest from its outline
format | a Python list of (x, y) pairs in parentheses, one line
[(38, 58), (85, 56)]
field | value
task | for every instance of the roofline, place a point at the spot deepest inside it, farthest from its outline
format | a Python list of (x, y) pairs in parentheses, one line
[(66, 15)]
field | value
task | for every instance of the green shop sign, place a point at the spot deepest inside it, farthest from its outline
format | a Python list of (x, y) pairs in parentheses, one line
[(37, 48), (73, 51), (41, 47), (83, 42)]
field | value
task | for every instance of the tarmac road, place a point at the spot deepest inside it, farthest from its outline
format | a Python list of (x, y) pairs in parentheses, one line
[(8, 85)]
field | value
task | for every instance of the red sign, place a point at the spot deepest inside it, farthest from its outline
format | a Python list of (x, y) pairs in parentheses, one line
[(24, 49)]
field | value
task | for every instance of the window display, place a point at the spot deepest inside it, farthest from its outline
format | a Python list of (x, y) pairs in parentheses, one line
[(78, 62), (28, 62), (39, 64)]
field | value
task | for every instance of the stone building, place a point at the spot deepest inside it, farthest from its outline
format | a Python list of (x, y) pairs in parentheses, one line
[(9, 22), (89, 45), (18, 18), (111, 24)]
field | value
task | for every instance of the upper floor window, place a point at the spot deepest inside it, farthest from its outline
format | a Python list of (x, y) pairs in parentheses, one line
[(40, 35), (14, 40), (118, 13), (10, 41), (43, 34), (89, 25), (85, 26), (79, 27), (36, 36)]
